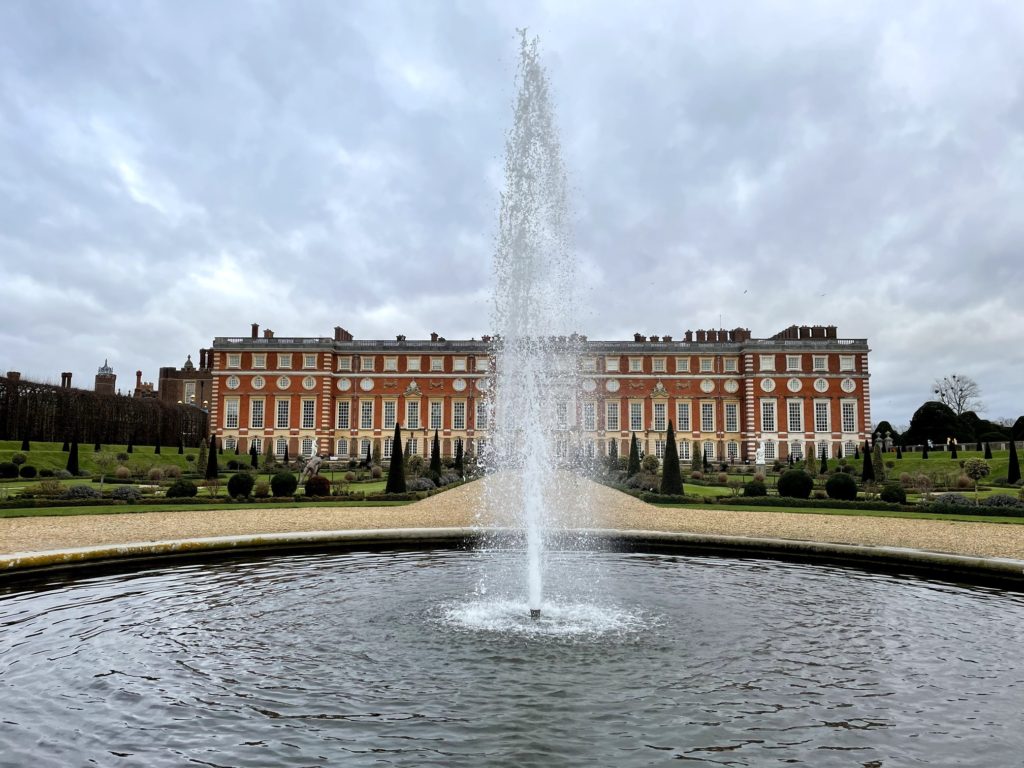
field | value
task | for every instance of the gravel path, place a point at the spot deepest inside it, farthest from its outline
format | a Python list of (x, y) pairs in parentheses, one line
[(466, 505)]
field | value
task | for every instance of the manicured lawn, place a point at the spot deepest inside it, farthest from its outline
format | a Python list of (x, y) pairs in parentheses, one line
[(853, 513), (143, 507)]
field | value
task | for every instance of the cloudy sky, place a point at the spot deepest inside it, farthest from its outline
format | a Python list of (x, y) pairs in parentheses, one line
[(174, 171)]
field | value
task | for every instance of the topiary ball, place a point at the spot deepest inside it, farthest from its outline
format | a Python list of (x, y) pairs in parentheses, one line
[(795, 484), (27, 471), (240, 485), (182, 489), (755, 488), (842, 487), (318, 485), (283, 484), (894, 494)]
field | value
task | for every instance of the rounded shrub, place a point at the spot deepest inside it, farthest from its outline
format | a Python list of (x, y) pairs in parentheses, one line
[(893, 493), (60, 474), (318, 485), (182, 489), (415, 465), (46, 472), (376, 472), (1002, 501), (350, 477), (696, 475), (155, 475), (964, 482), (755, 488), (122, 473), (172, 472), (261, 490), (8, 469), (122, 456), (795, 484), (126, 493), (19, 459), (27, 471), (283, 484), (952, 499), (240, 485), (842, 487), (422, 484), (650, 463), (80, 492)]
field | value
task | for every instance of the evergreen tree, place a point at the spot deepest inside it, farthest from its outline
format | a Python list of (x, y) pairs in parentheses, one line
[(696, 460), (269, 460), (285, 458), (1013, 472), (671, 476), (705, 463), (924, 451), (952, 451), (24, 444), (459, 468), (130, 448), (211, 462), (792, 461), (824, 460), (899, 452), (633, 466), (877, 464), (202, 459), (988, 452), (96, 448), (156, 448), (856, 452), (181, 445), (396, 471), (613, 455), (72, 465), (220, 447), (867, 474), (435, 458), (375, 460), (238, 447), (67, 445), (254, 458)]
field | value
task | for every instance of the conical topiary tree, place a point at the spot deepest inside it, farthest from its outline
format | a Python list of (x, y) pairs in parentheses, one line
[(96, 447), (924, 451), (211, 461), (238, 447), (1013, 471), (156, 448), (254, 457), (72, 465), (613, 454), (877, 464), (285, 459), (899, 452), (202, 459), (66, 447), (824, 461), (25, 444), (671, 476), (696, 459), (459, 458), (633, 466), (704, 457), (435, 458), (952, 451), (181, 444), (396, 471), (988, 452), (867, 473), (856, 452)]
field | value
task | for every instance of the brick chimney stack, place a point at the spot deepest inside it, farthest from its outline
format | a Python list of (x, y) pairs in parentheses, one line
[(255, 330)]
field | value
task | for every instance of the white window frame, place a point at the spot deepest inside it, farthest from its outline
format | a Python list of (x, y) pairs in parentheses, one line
[(683, 423), (820, 362), (367, 363), (309, 361), (307, 446), (281, 445), (343, 415), (684, 450), (284, 360), (366, 413), (256, 442), (660, 417), (483, 364), (636, 365), (636, 416), (257, 420), (308, 419), (386, 449), (282, 413), (458, 414), (588, 364), (459, 364), (482, 419), (822, 423), (794, 362), (611, 416), (561, 415), (412, 414), (231, 410), (795, 408), (847, 363), (682, 365), (769, 415), (390, 411), (234, 360), (730, 364), (732, 451), (437, 365), (659, 449), (707, 416), (769, 449), (611, 364), (413, 363), (390, 364), (707, 365), (589, 416), (658, 364), (341, 449), (732, 417), (766, 362), (345, 363), (259, 360), (708, 449), (848, 414), (436, 414)]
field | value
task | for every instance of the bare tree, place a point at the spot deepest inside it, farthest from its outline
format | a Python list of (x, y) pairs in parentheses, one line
[(960, 393)]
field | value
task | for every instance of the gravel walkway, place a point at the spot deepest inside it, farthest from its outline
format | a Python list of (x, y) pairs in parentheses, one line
[(466, 506)]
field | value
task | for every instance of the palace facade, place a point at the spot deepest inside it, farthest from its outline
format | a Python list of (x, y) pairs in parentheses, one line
[(798, 392)]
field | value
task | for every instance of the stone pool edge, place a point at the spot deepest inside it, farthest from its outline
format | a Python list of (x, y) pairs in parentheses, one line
[(947, 565)]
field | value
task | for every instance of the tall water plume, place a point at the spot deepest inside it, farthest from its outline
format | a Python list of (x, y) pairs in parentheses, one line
[(536, 349)]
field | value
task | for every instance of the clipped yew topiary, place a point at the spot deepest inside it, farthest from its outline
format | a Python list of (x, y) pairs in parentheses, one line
[(27, 471), (893, 493), (841, 486), (8, 469), (671, 476), (283, 484), (755, 488), (633, 465), (182, 489), (240, 485), (318, 485), (795, 484)]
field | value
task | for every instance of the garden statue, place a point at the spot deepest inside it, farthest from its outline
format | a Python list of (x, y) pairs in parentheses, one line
[(312, 466)]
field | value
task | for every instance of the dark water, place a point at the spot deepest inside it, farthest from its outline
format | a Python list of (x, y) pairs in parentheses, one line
[(391, 659)]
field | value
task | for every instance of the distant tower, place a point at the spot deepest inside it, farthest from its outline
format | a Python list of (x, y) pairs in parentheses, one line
[(105, 380)]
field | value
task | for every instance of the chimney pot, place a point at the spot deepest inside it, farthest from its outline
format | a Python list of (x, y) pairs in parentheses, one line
[(255, 330)]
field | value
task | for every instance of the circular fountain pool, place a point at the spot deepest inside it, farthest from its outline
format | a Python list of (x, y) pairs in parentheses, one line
[(396, 658)]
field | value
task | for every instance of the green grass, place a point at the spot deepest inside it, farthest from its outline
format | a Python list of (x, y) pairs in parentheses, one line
[(854, 513), (50, 456), (128, 508)]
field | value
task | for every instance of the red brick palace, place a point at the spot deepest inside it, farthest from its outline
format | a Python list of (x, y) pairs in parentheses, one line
[(797, 392)]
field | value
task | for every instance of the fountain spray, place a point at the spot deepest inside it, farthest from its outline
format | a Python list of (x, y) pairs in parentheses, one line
[(535, 347)]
